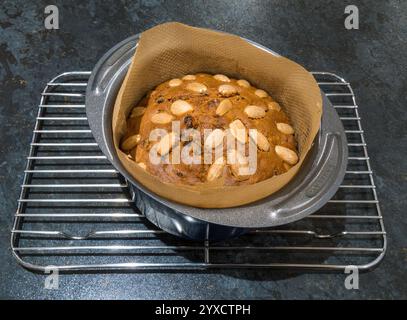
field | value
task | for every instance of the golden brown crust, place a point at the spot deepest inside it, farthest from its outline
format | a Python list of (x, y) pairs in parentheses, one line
[(205, 103)]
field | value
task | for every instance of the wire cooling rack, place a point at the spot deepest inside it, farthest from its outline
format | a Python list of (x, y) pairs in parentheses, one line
[(76, 212)]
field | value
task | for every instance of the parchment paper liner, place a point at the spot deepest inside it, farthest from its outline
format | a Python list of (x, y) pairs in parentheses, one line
[(172, 50)]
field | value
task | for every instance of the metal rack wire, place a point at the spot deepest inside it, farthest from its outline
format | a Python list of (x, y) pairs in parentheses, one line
[(76, 212)]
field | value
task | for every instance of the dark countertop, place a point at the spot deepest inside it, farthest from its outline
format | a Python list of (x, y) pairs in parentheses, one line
[(312, 33)]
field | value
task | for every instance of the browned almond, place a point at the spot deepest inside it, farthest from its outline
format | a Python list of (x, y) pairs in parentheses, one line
[(255, 112), (197, 87), (227, 90), (285, 128), (238, 130), (223, 107), (260, 140), (180, 107), (175, 82), (261, 93), (243, 83), (162, 118), (274, 106), (216, 169), (130, 142), (286, 154), (221, 77), (214, 139), (189, 77), (137, 112), (167, 143)]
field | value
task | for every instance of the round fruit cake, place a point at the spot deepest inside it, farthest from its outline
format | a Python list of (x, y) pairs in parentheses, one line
[(199, 128)]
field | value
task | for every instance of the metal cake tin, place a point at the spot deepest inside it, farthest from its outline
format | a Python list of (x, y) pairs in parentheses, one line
[(316, 182)]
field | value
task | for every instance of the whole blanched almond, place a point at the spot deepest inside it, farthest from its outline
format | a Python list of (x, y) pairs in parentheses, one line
[(285, 128), (255, 112), (223, 107), (167, 143), (189, 77), (261, 93), (274, 106), (137, 112), (243, 83), (286, 154), (227, 90), (214, 139), (260, 140), (238, 130), (142, 165), (175, 82), (180, 107), (130, 142), (221, 77), (162, 118), (216, 169), (197, 87)]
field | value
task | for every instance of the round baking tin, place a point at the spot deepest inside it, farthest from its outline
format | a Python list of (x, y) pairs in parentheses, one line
[(315, 183)]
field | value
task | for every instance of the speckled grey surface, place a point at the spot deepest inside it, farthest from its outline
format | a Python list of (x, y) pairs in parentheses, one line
[(312, 33)]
